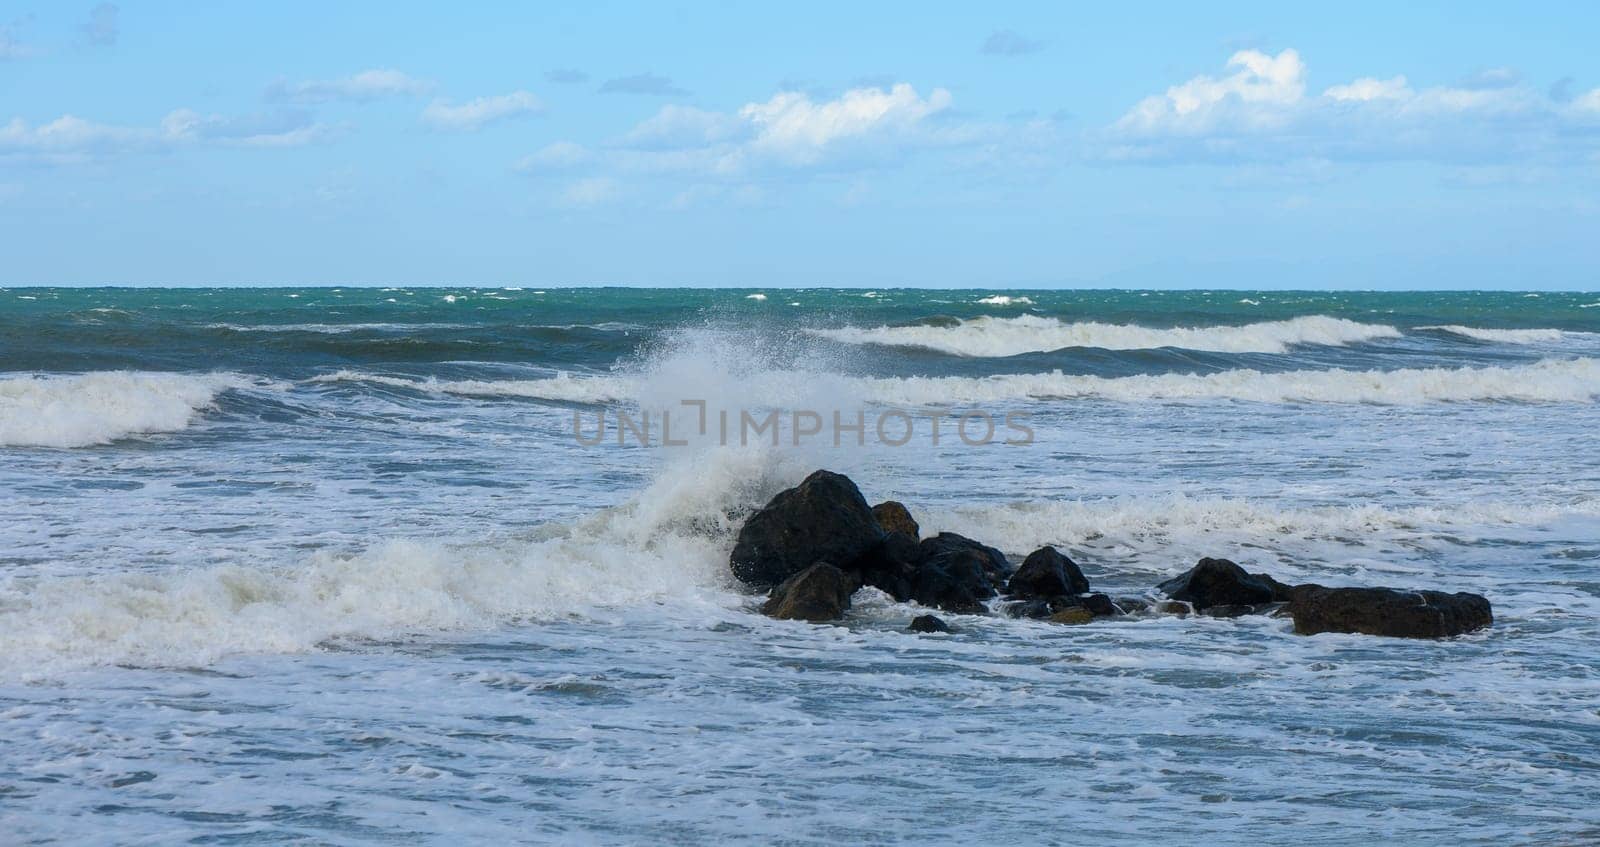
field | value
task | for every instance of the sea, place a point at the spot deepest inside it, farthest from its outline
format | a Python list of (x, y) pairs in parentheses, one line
[(403, 565)]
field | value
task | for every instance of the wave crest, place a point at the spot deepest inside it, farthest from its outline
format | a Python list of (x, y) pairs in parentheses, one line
[(992, 337), (103, 406)]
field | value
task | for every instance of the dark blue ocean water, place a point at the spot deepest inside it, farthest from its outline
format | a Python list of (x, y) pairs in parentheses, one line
[(329, 564)]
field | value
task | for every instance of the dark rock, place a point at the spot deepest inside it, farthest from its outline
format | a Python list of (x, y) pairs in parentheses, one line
[(1074, 615), (1219, 582), (824, 518), (1099, 605), (818, 593), (893, 516), (1046, 573), (1174, 607), (1387, 611), (891, 565), (1133, 605), (1229, 610), (954, 580), (995, 567), (928, 623)]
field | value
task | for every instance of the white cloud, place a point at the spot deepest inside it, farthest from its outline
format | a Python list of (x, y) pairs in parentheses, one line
[(474, 114), (790, 129), (70, 138), (11, 47), (101, 30), (1262, 110), (366, 85), (1367, 88), (794, 128), (554, 157)]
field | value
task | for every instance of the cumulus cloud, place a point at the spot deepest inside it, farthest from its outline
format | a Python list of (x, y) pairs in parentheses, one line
[(474, 114), (1262, 108), (101, 30), (721, 154), (652, 84), (566, 76), (366, 85), (1006, 42), (69, 139)]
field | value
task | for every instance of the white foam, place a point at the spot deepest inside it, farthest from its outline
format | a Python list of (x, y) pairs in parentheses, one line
[(688, 377), (1551, 380), (103, 406), (1503, 336), (1003, 300), (755, 297), (991, 336), (669, 542)]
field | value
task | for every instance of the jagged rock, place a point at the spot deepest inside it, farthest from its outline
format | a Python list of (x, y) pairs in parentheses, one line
[(928, 623), (1047, 573), (1098, 605), (818, 593), (1219, 582), (1229, 610), (1174, 607), (1074, 615), (893, 516), (1387, 611), (824, 518)]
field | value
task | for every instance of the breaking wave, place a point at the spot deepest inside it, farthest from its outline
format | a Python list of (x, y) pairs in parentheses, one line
[(990, 336), (103, 406)]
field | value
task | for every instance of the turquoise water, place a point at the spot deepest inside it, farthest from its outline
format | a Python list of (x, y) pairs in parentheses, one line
[(329, 564)]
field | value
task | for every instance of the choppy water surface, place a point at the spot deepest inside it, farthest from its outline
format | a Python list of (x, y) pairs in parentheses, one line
[(329, 564)]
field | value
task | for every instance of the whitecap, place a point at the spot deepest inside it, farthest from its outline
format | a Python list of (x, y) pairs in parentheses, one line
[(103, 406), (991, 336)]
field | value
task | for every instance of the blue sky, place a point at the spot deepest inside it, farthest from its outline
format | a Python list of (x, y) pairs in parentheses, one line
[(1425, 145)]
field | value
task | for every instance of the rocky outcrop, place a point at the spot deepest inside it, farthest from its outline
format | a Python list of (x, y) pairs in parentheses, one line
[(1047, 573), (954, 579), (996, 570), (818, 593), (1387, 611), (928, 623), (1219, 582), (824, 518), (893, 516)]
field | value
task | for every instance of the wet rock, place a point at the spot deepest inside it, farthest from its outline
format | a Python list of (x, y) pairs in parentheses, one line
[(824, 518), (1074, 615), (818, 593), (954, 580), (1174, 607), (1229, 610), (891, 565), (1132, 605), (1387, 611), (1097, 605), (1047, 573), (893, 516), (996, 570), (928, 623), (1219, 582)]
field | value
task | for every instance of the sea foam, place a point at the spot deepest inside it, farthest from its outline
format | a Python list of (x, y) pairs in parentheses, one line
[(991, 336), (103, 406)]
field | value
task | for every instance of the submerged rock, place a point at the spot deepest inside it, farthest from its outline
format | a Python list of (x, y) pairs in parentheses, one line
[(1047, 573), (1074, 615), (928, 623), (1097, 605), (893, 516), (824, 518), (1387, 611), (818, 593), (1219, 582)]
